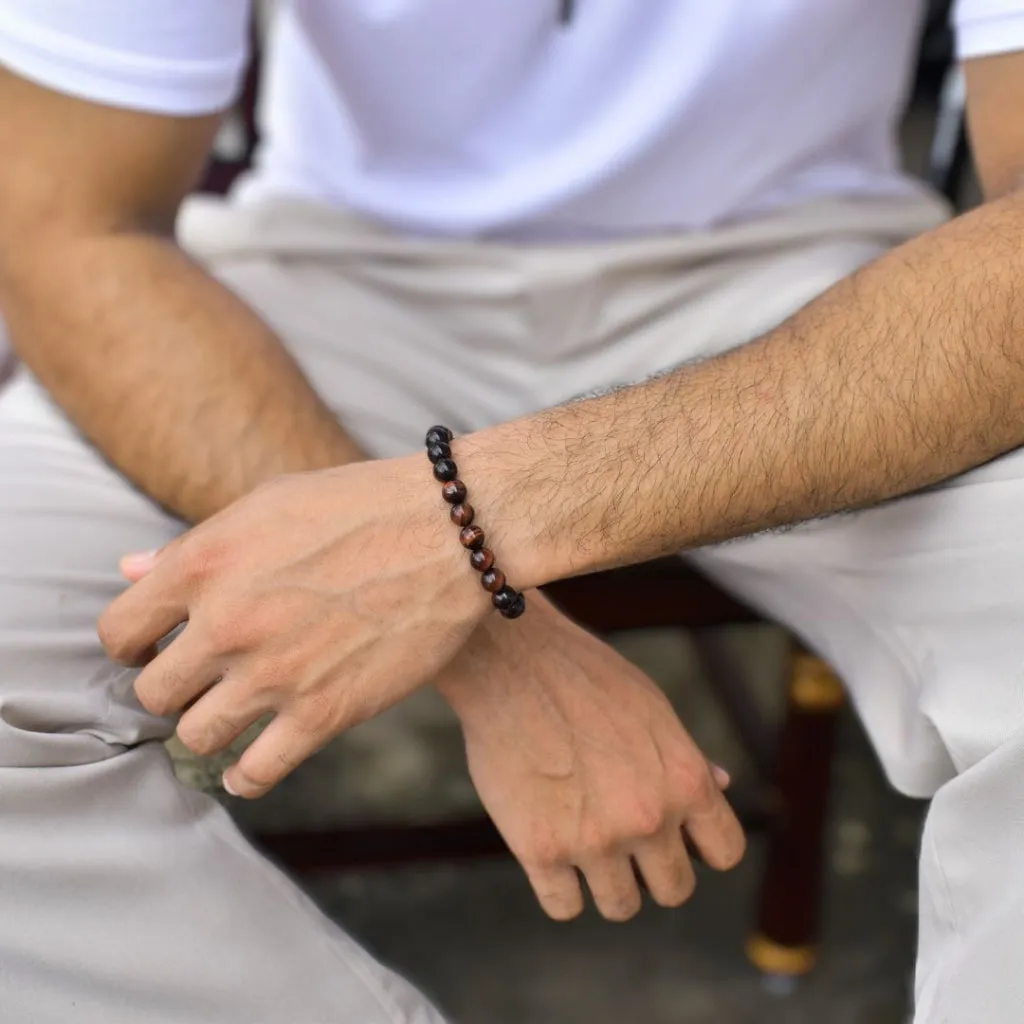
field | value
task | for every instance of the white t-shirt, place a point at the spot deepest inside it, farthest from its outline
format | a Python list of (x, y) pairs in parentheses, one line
[(476, 117)]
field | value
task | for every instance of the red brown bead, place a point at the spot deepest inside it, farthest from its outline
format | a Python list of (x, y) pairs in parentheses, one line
[(482, 559), (472, 537), (454, 492), (493, 580), (462, 514), (507, 600)]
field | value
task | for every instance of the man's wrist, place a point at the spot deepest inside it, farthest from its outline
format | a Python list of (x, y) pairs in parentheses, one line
[(471, 686), (508, 475)]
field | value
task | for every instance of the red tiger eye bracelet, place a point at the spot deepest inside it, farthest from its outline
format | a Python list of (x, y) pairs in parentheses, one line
[(509, 601)]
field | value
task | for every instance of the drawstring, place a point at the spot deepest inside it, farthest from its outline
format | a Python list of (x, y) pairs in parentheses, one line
[(566, 11)]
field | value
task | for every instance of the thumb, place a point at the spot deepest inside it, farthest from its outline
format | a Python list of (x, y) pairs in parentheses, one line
[(138, 564)]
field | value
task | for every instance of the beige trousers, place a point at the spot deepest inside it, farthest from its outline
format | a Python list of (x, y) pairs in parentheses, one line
[(127, 898)]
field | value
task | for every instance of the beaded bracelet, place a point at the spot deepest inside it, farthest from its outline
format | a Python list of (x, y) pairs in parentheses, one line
[(509, 601)]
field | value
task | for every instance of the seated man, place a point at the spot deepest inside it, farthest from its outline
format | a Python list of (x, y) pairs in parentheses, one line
[(463, 212)]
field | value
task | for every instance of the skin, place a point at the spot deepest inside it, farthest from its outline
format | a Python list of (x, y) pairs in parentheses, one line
[(905, 374), (197, 402), (541, 792)]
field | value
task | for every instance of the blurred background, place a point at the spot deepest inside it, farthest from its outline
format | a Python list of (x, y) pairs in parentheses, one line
[(817, 925)]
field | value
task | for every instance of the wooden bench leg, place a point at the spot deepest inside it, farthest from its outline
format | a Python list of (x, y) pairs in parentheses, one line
[(785, 940)]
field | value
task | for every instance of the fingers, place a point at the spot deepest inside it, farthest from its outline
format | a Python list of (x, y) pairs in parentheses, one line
[(662, 864), (144, 613), (133, 623), (275, 753), (138, 564), (665, 867), (220, 716), (613, 887), (713, 827), (662, 859), (179, 674), (557, 889)]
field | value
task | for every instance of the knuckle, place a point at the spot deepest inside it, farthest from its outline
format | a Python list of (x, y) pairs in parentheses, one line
[(646, 819), (674, 897), (596, 839), (264, 776), (164, 690), (284, 762), (155, 702), (564, 913), (730, 854), (560, 908), (246, 621), (224, 633), (621, 909), (189, 560), (276, 671), (259, 618), (200, 738), (593, 847), (197, 742), (545, 852), (684, 889), (316, 713), (260, 690), (112, 638), (698, 787), (199, 558)]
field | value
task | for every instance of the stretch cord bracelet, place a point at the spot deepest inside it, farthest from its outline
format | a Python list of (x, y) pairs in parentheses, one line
[(509, 601)]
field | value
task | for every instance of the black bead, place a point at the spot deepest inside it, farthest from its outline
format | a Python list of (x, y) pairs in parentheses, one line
[(454, 492), (445, 469), (503, 598), (516, 608), (441, 450), (438, 435)]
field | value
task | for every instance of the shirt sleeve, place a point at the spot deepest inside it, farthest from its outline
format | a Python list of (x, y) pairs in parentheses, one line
[(985, 27), (178, 57)]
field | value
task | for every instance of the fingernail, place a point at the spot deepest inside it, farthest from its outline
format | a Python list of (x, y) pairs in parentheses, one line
[(721, 776), (227, 785), (138, 563)]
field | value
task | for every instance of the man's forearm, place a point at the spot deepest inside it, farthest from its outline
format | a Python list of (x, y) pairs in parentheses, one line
[(908, 372), (172, 377)]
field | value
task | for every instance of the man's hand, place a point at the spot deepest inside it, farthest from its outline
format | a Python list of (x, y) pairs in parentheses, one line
[(321, 598), (583, 764)]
